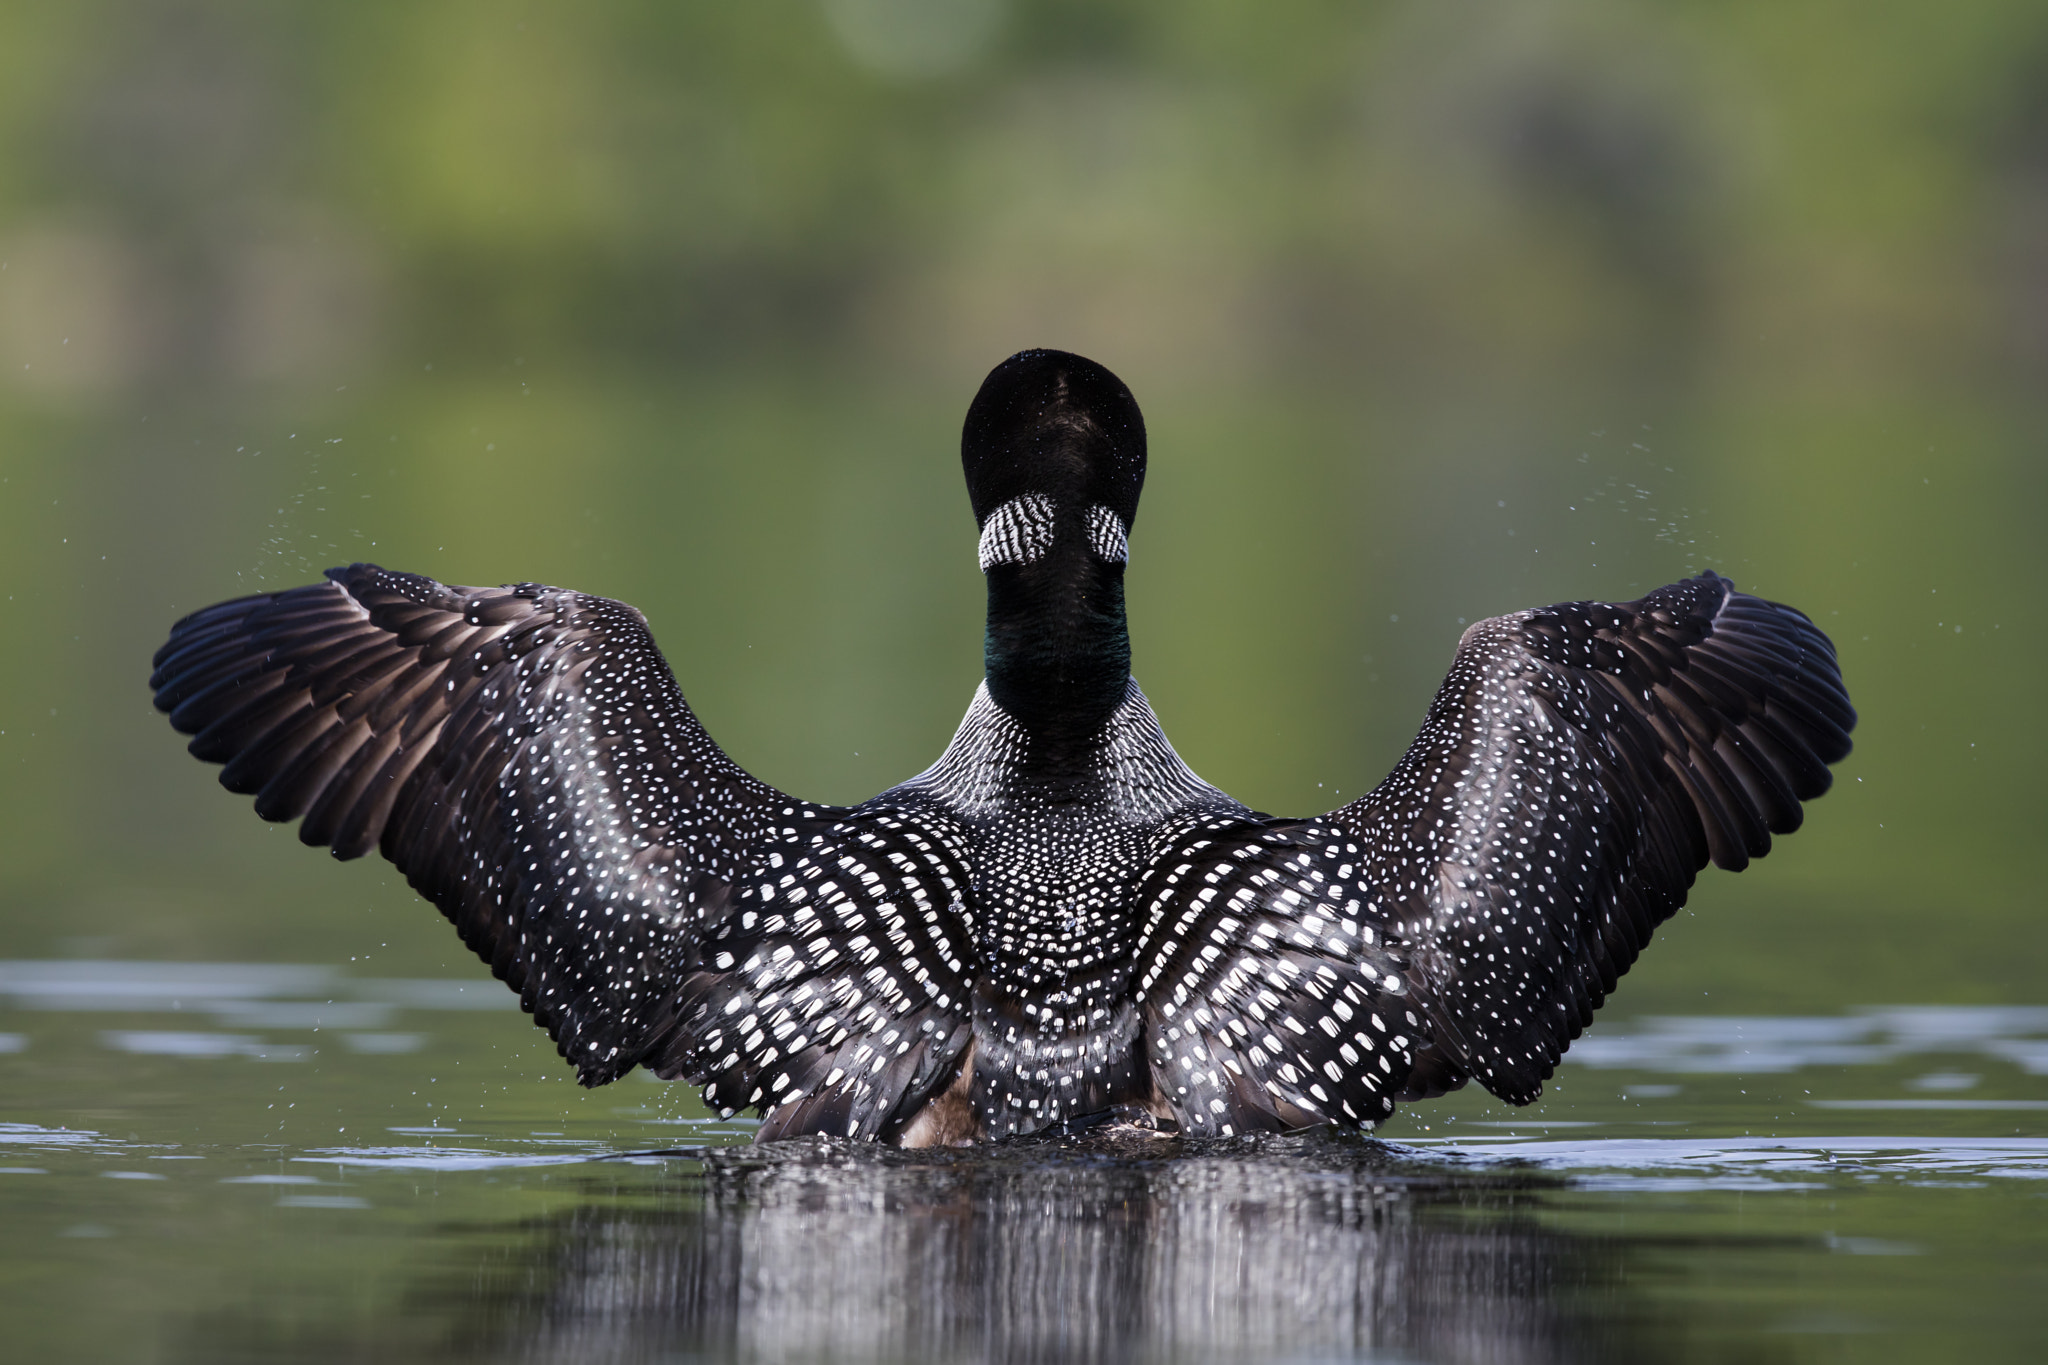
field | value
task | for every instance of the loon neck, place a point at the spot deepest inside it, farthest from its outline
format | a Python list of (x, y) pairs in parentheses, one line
[(1058, 650)]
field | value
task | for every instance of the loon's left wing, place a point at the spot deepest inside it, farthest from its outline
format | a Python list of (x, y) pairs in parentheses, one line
[(1578, 767), (522, 754)]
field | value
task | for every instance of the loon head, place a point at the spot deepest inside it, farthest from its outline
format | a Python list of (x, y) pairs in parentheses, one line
[(1053, 443), (1054, 453)]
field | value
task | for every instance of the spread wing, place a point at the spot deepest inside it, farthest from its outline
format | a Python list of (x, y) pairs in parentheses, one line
[(1271, 999), (835, 993), (522, 754), (1578, 767)]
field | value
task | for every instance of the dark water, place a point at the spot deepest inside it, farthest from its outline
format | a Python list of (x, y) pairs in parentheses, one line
[(239, 1162)]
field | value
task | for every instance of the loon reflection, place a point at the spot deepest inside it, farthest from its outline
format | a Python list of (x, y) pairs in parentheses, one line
[(817, 1250)]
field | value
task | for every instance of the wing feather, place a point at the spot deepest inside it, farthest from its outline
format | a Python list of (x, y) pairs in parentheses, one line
[(522, 754), (836, 992), (1579, 766), (1270, 1000)]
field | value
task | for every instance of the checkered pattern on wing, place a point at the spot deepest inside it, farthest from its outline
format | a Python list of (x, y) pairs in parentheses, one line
[(1271, 1001), (834, 995)]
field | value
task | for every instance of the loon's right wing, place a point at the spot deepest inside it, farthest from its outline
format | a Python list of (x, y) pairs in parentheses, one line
[(522, 754), (1579, 766)]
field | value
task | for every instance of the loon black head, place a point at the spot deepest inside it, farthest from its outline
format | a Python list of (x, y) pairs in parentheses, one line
[(1054, 452), (1058, 425)]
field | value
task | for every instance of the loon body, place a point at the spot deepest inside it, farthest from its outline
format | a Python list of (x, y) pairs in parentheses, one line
[(1057, 920)]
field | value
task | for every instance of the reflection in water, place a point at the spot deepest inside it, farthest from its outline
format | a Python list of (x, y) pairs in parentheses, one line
[(525, 1229), (1308, 1249)]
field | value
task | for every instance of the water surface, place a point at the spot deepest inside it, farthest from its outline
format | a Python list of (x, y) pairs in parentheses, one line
[(243, 1161)]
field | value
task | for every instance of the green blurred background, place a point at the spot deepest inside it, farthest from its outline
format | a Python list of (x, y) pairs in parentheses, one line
[(1436, 310)]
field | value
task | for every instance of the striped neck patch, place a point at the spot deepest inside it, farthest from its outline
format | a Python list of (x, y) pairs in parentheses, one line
[(1021, 530), (1106, 535), (1017, 532)]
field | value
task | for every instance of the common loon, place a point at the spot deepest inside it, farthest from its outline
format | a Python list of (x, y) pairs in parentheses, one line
[(1056, 921)]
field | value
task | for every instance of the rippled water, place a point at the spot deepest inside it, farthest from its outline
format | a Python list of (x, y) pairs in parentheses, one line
[(256, 1162)]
